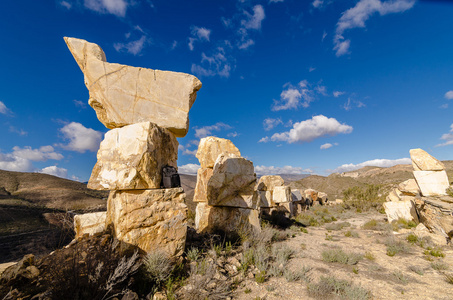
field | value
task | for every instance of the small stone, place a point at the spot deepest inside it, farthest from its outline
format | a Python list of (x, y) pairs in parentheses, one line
[(90, 223), (132, 157), (211, 147)]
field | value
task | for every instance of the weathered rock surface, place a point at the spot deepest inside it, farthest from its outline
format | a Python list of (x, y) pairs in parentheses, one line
[(394, 195), (422, 161), (436, 213), (227, 219), (211, 147), (203, 176), (232, 182), (282, 194), (123, 95), (311, 194), (269, 182), (322, 197), (401, 209), (150, 219), (409, 187), (288, 208), (265, 199), (297, 195), (90, 223), (132, 157), (432, 183)]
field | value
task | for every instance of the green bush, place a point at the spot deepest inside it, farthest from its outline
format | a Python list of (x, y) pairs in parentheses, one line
[(329, 286), (369, 197)]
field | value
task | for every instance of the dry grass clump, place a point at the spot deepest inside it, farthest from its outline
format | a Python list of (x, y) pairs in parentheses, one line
[(450, 191), (331, 286), (439, 266), (403, 224), (416, 269), (158, 266), (400, 277), (353, 234), (337, 226), (395, 246), (448, 278), (338, 255), (377, 225), (299, 274)]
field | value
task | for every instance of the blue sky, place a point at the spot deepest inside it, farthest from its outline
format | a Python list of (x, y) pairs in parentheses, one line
[(298, 86)]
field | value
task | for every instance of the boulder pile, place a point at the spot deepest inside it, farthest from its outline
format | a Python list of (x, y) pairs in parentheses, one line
[(424, 199), (225, 189), (146, 110)]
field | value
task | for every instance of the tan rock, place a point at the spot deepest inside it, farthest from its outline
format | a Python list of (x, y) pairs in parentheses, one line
[(296, 195), (422, 231), (132, 157), (268, 182), (150, 219), (231, 220), (203, 176), (232, 182), (409, 187), (432, 183), (282, 194), (90, 223), (339, 201), (436, 215), (311, 194), (211, 147), (422, 161), (322, 197), (265, 199), (401, 209), (394, 195), (123, 95)]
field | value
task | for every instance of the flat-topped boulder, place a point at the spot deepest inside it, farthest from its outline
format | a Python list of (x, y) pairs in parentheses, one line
[(422, 161), (268, 182), (282, 194), (132, 157), (211, 147), (122, 95), (432, 183)]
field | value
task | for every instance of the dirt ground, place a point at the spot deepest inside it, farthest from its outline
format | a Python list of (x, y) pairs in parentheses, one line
[(386, 277)]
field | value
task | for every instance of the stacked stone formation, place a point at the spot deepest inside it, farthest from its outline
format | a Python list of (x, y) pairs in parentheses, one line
[(274, 196), (225, 189), (400, 202), (146, 110)]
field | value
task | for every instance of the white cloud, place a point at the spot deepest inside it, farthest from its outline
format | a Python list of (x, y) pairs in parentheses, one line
[(326, 146), (337, 94), (317, 3), (271, 170), (383, 163), (292, 97), (55, 171), (190, 169), (114, 7), (190, 152), (356, 17), (133, 47), (81, 138), (320, 89), (275, 1), (201, 32), (246, 44), (217, 64), (447, 137), (174, 45), (311, 69), (444, 106), (289, 99), (3, 109), (66, 4), (254, 21), (308, 130), (10, 162), (18, 131), (448, 95), (264, 140), (79, 103), (207, 130), (42, 154), (232, 134), (324, 34), (270, 123), (350, 104)]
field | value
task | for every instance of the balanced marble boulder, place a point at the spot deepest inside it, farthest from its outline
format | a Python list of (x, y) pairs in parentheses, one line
[(422, 161), (211, 147), (123, 95), (132, 157), (232, 182), (150, 219)]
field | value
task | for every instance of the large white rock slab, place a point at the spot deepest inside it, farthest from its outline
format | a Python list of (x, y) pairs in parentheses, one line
[(268, 182), (232, 182), (150, 219), (132, 157), (282, 194), (123, 95), (422, 161), (265, 199), (401, 209), (432, 183), (409, 187), (90, 223), (211, 147)]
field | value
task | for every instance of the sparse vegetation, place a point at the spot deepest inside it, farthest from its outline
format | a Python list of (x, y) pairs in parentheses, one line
[(395, 246), (299, 274), (403, 223), (436, 252), (328, 286), (337, 226), (370, 256), (352, 234), (363, 199), (416, 269), (338, 255), (400, 277), (377, 225), (439, 266), (448, 278)]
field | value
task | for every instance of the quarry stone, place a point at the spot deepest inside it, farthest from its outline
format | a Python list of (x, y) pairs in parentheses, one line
[(437, 215), (211, 147), (123, 95), (232, 182), (203, 176), (422, 161), (401, 209), (288, 208), (296, 195), (409, 187), (268, 182), (132, 157), (282, 194), (150, 219), (394, 195), (232, 220), (432, 183), (90, 223), (265, 199)]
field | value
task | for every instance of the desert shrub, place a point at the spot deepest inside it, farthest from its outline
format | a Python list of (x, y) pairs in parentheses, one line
[(416, 269), (395, 246), (412, 238), (448, 278), (260, 277), (282, 254), (338, 255), (351, 234), (377, 225), (436, 252), (400, 277), (299, 274), (403, 223), (337, 226), (370, 197), (370, 256), (193, 254), (158, 266), (439, 266), (328, 286), (450, 191)]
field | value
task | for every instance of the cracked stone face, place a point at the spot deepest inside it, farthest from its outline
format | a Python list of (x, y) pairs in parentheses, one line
[(123, 95)]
